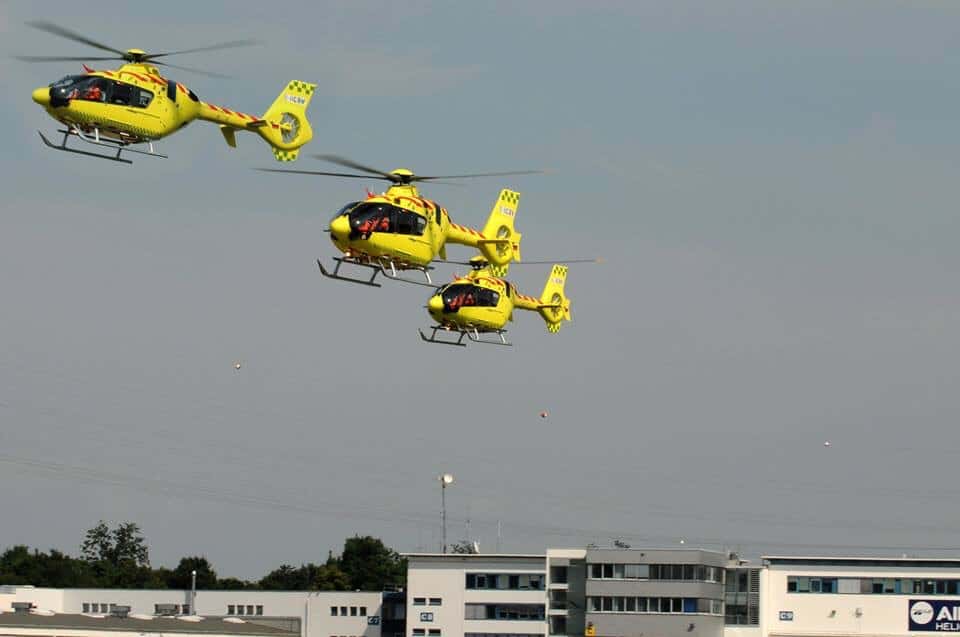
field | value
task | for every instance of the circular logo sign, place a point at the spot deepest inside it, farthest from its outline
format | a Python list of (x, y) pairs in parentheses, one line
[(921, 613)]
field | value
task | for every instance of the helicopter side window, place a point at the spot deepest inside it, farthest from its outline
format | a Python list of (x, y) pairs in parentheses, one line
[(346, 209), (459, 295), (171, 90), (142, 98), (410, 223), (487, 298), (438, 213)]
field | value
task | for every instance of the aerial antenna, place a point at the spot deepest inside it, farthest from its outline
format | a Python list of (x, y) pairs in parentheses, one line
[(499, 534)]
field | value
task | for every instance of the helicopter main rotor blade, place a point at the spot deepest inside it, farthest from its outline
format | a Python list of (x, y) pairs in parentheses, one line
[(56, 58), (190, 70), (232, 44), (349, 163), (553, 261), (293, 171), (55, 29), (503, 174)]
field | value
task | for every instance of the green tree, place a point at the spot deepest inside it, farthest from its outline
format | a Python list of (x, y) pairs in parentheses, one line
[(118, 558), (370, 565), (329, 577), (182, 576), (233, 584)]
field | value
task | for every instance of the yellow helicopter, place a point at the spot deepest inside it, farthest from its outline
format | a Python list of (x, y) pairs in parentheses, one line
[(135, 105), (399, 230), (482, 303)]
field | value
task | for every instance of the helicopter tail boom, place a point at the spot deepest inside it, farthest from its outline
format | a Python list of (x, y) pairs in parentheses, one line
[(284, 126)]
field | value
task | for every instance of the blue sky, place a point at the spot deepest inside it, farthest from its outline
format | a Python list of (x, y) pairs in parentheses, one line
[(770, 183)]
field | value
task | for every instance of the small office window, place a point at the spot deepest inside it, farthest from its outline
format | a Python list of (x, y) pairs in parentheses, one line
[(343, 611), (436, 601), (333, 611), (419, 601), (86, 607), (419, 632), (434, 632), (363, 611), (353, 611), (259, 609), (231, 609)]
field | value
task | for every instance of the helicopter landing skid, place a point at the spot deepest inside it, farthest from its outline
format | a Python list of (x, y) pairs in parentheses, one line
[(388, 269), (96, 140), (471, 334)]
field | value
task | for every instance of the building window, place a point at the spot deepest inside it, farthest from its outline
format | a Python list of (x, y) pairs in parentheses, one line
[(343, 611), (240, 609), (418, 632), (436, 601), (86, 607), (363, 611), (689, 605), (519, 612), (419, 601), (231, 609), (504, 581), (259, 609), (353, 611), (434, 632), (185, 610), (333, 611)]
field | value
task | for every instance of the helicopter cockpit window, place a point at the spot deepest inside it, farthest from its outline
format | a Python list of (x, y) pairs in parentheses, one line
[(459, 295), (81, 87), (368, 218), (129, 95)]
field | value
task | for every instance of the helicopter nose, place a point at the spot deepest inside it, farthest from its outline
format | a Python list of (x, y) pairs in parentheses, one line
[(340, 227), (42, 96), (435, 304)]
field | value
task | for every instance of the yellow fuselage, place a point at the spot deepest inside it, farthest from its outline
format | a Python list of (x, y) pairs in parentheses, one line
[(478, 301), (398, 226)]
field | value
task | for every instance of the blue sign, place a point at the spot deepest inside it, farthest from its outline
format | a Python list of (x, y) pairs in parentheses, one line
[(373, 620), (786, 615), (934, 615), (426, 617)]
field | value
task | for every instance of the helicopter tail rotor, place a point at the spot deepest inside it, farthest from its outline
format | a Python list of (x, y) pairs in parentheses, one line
[(554, 306), (285, 126), (501, 241)]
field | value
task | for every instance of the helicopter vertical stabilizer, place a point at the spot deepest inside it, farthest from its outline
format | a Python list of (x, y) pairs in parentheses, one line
[(287, 127), (554, 306), (501, 242)]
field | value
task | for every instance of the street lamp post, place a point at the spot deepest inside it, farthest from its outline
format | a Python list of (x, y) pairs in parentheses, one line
[(193, 592), (445, 479)]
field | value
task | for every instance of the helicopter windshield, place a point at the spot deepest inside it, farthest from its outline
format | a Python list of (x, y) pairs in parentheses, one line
[(367, 218), (345, 209), (457, 295)]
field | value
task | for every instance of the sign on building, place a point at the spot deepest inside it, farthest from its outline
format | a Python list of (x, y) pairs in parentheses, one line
[(934, 615)]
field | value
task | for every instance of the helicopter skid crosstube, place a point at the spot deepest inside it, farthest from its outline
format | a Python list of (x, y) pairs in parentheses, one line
[(97, 140), (471, 334), (387, 267)]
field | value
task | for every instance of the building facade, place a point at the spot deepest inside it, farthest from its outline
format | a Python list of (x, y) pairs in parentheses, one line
[(853, 596), (465, 595)]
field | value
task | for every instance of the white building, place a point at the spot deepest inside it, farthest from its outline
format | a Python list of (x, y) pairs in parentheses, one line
[(464, 595), (853, 596), (305, 613)]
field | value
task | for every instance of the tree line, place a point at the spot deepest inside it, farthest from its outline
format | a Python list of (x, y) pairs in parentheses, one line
[(119, 558)]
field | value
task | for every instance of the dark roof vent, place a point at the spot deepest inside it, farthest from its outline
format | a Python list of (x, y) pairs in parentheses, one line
[(119, 611), (167, 610), (22, 607)]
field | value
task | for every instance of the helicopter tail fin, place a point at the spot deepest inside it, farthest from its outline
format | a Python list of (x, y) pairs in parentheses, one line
[(285, 126), (501, 242), (554, 306)]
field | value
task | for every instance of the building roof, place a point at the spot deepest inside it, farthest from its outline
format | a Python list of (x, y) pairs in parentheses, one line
[(825, 560), (209, 625)]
